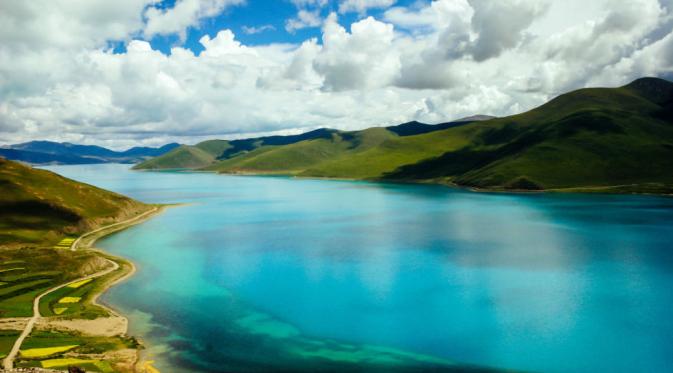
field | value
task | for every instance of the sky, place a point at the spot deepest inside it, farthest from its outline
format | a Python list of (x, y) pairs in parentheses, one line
[(147, 72)]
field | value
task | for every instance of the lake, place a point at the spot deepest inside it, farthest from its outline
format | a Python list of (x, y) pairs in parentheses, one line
[(275, 273)]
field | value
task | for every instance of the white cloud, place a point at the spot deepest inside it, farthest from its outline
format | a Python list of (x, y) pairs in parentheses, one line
[(252, 30), (499, 25), (184, 14), (363, 58), (305, 18), (66, 24), (361, 6), (432, 61)]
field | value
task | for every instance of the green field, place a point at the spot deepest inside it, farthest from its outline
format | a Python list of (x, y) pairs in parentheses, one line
[(53, 349), (617, 140), (7, 338), (19, 288)]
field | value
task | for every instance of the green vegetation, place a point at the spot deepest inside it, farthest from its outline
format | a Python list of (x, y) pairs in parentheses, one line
[(39, 207), (185, 156), (41, 213), (297, 157), (76, 302), (54, 349), (592, 139), (7, 338), (617, 140), (19, 288)]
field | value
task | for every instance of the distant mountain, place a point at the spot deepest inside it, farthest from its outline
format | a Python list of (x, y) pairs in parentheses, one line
[(206, 153), (597, 139), (39, 207), (323, 144), (48, 152), (28, 156)]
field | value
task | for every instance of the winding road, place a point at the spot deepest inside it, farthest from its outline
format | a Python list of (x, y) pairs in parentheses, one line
[(8, 362)]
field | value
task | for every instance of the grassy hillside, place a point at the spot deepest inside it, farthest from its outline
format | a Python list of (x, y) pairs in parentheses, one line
[(297, 157), (38, 207), (208, 152), (185, 156), (603, 139)]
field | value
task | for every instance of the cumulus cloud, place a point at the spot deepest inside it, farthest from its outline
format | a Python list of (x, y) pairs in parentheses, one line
[(363, 58), (183, 14), (430, 61), (500, 24), (305, 18)]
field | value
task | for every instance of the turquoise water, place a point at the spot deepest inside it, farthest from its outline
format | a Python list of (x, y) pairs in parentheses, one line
[(270, 273)]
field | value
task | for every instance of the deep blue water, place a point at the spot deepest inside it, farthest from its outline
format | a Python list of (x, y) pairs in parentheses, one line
[(258, 273)]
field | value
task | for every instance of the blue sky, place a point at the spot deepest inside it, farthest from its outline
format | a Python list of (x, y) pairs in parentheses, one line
[(256, 13)]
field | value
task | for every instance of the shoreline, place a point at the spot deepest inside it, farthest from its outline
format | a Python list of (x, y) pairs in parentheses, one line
[(139, 364), (603, 190)]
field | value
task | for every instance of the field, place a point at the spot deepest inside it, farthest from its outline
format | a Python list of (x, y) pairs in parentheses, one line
[(25, 278), (39, 270), (54, 349)]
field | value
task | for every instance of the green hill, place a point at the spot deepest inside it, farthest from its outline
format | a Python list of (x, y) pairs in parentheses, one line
[(186, 156), (605, 139), (297, 157), (206, 153), (39, 207), (591, 139)]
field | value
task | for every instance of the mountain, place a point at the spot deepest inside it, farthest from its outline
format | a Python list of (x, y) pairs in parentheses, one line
[(595, 139), (417, 128), (48, 152), (28, 156), (246, 155), (39, 207), (618, 139), (206, 153)]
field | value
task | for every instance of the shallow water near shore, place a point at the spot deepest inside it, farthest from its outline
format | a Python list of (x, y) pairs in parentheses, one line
[(273, 273)]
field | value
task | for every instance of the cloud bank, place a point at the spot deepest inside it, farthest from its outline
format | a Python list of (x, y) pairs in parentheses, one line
[(431, 61)]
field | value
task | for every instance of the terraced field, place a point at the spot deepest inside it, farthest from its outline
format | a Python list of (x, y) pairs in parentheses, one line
[(21, 280), (58, 350)]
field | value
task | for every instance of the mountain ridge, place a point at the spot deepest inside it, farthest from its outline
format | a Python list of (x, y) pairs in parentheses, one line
[(605, 139), (50, 152)]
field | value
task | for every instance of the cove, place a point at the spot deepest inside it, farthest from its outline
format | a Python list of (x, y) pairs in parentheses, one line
[(275, 273)]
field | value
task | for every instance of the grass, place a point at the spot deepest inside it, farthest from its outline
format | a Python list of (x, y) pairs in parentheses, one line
[(40, 214), (588, 139), (55, 349), (600, 139), (21, 287), (296, 158), (90, 365), (41, 208), (52, 304), (7, 338)]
